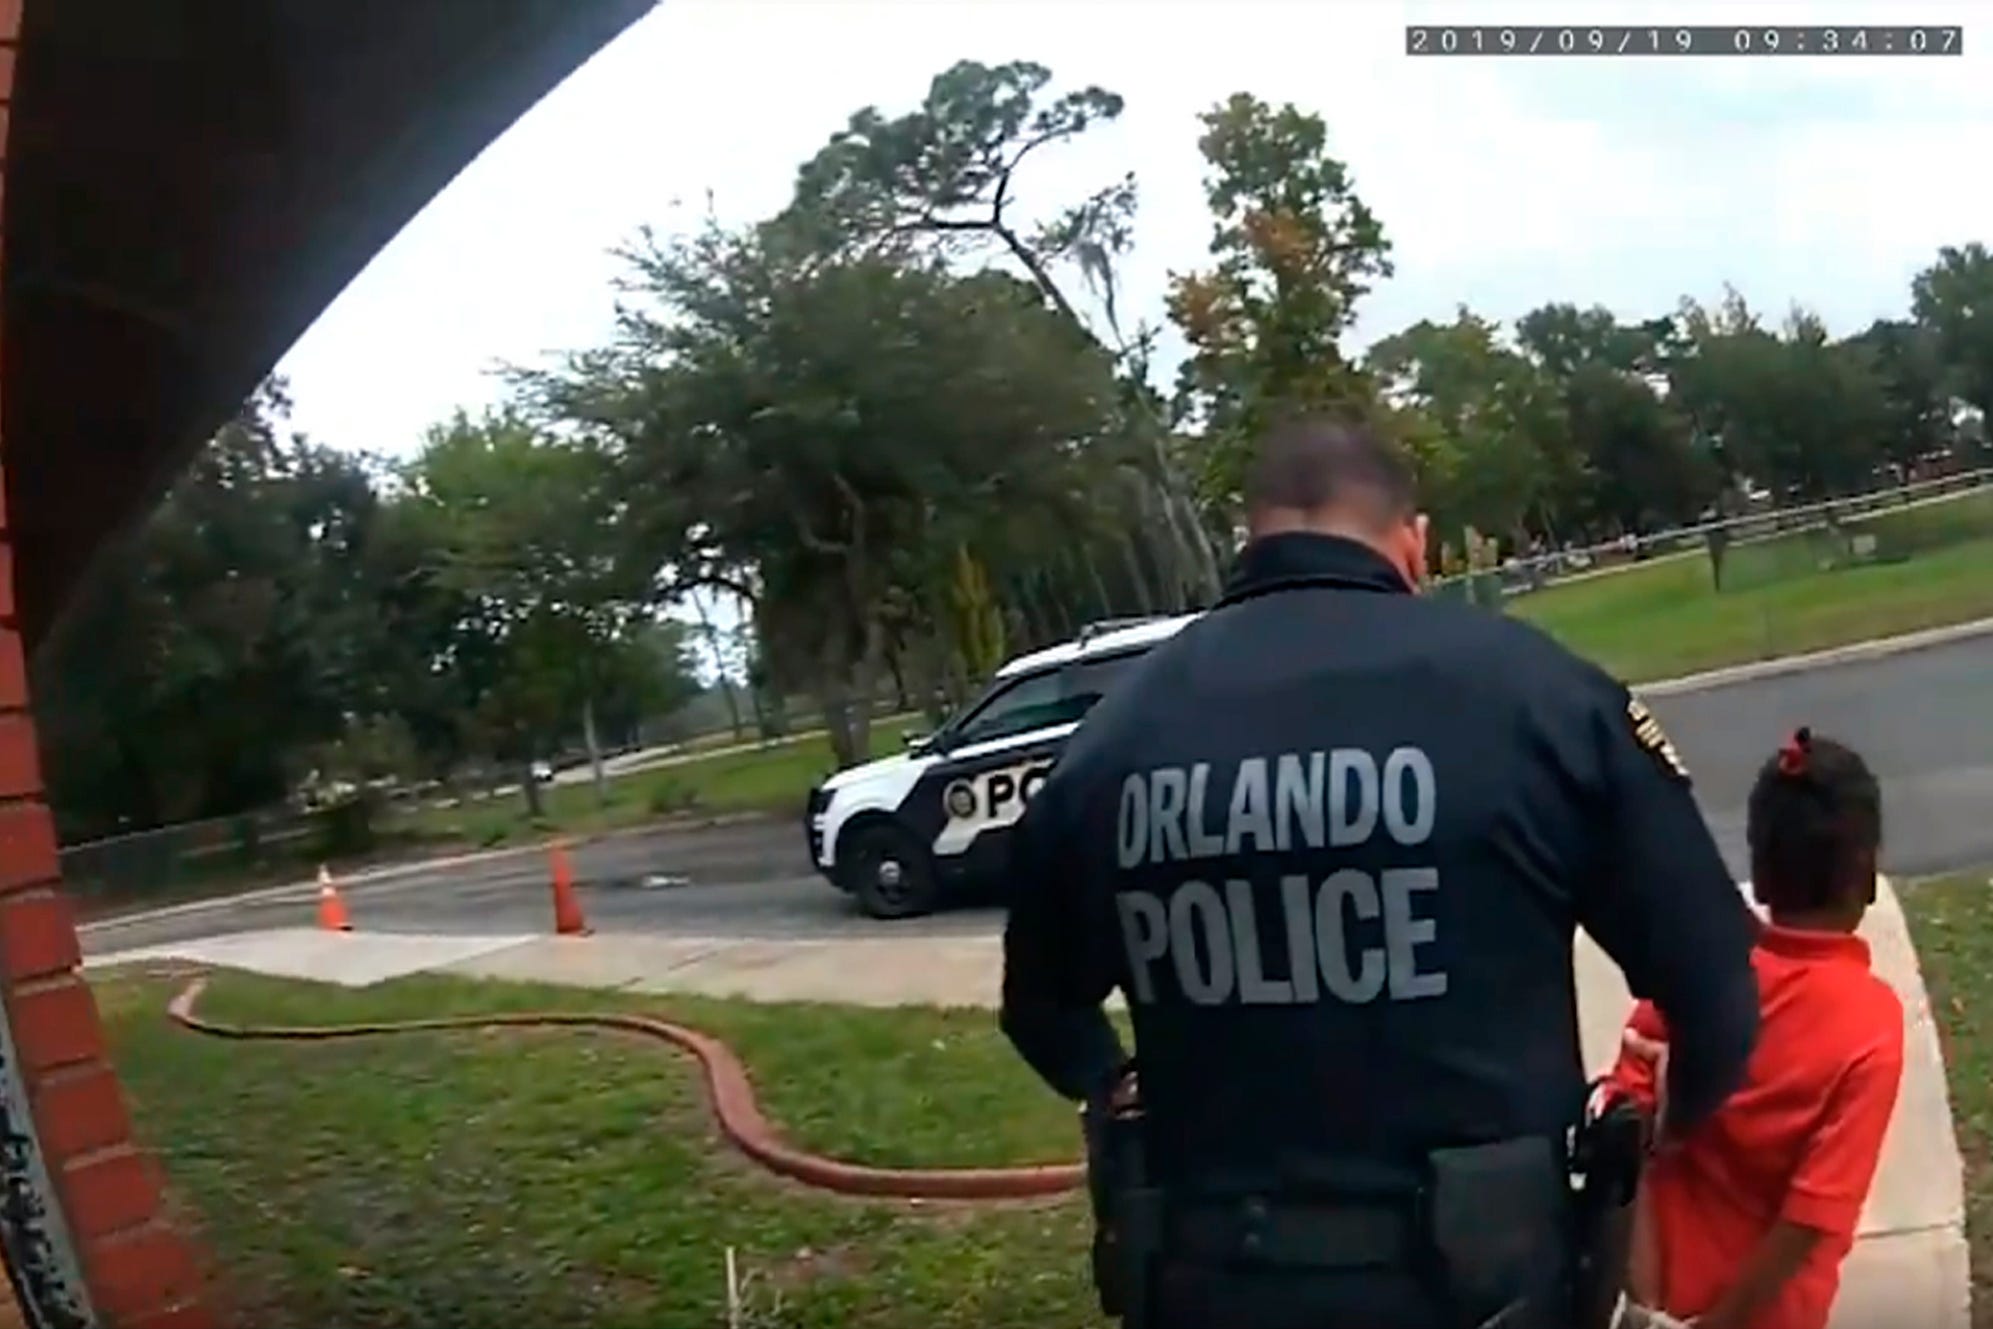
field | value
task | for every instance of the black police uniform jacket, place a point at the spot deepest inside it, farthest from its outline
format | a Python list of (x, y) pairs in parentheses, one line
[(1332, 841)]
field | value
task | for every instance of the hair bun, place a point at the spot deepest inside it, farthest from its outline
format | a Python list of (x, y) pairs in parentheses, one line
[(1793, 757)]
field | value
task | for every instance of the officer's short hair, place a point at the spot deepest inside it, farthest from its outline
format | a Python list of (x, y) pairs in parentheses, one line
[(1313, 463)]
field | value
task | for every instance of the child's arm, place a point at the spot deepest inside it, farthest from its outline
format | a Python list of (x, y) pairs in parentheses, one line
[(1633, 1075), (1774, 1260), (1827, 1192)]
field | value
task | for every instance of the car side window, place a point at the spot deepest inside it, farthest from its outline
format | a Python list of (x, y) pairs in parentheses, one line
[(1030, 703), (1088, 681)]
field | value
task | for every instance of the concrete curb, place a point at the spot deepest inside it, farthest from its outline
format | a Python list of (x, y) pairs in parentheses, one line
[(1879, 648), (732, 1094)]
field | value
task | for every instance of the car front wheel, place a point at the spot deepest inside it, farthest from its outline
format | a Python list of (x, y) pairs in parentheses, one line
[(889, 872)]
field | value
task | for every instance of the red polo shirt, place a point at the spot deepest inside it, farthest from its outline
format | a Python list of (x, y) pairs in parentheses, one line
[(1799, 1141)]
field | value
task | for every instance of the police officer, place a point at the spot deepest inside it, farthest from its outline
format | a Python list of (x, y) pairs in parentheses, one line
[(1332, 841)]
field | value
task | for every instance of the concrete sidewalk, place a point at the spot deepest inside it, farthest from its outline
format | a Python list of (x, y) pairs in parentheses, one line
[(1910, 1266), (349, 959)]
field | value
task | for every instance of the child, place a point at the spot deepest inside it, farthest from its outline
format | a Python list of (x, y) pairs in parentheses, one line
[(1745, 1223)]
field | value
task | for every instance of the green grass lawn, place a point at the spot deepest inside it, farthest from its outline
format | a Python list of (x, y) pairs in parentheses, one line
[(773, 779), (515, 1180), (1951, 921), (1664, 621)]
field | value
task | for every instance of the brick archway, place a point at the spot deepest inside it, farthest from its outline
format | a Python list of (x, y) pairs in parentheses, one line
[(80, 1222), (142, 301)]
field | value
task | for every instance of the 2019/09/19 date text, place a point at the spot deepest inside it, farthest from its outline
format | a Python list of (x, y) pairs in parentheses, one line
[(1705, 39)]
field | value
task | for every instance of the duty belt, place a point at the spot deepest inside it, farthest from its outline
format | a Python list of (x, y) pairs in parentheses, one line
[(1291, 1234)]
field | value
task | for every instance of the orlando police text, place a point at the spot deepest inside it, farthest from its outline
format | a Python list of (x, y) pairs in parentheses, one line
[(1208, 931)]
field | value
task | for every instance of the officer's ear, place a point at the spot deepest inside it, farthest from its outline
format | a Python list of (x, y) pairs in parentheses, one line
[(1413, 536)]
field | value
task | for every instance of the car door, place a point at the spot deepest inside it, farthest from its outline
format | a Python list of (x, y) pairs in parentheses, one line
[(966, 803)]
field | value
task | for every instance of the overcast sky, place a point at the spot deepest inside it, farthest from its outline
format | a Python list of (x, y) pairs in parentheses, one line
[(1502, 183)]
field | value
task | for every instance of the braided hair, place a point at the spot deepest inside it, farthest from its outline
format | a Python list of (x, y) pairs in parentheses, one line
[(1814, 824)]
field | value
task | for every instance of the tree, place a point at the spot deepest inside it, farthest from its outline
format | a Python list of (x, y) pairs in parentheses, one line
[(1646, 473), (423, 667), (1832, 410), (1790, 409), (1954, 298), (941, 180), (910, 425), (1562, 338), (1499, 458), (810, 431), (223, 640), (978, 624), (1907, 361), (530, 530), (946, 172), (1295, 248)]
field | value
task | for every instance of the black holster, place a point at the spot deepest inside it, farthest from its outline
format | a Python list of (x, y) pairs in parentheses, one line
[(1127, 1211), (1533, 1237), (1608, 1152)]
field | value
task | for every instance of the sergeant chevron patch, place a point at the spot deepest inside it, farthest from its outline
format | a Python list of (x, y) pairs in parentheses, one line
[(1647, 732)]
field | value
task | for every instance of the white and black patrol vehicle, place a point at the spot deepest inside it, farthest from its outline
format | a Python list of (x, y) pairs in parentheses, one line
[(902, 833)]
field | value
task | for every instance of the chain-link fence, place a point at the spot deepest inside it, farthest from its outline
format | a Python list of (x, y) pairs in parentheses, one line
[(1887, 525), (1769, 584), (1832, 538), (147, 863), (188, 858)]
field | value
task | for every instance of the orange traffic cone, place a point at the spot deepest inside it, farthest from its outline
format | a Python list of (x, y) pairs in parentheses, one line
[(331, 909), (568, 921)]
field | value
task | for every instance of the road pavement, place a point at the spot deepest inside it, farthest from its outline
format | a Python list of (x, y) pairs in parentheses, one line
[(1924, 718)]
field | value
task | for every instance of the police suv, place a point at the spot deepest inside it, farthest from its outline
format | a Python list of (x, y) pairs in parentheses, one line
[(902, 832)]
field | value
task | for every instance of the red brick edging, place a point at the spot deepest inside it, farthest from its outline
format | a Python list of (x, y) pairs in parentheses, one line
[(81, 1227), (732, 1094)]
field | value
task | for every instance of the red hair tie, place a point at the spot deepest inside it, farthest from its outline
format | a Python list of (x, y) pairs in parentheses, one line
[(1792, 757)]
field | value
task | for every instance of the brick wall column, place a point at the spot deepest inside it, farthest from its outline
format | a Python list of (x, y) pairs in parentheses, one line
[(80, 1220)]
